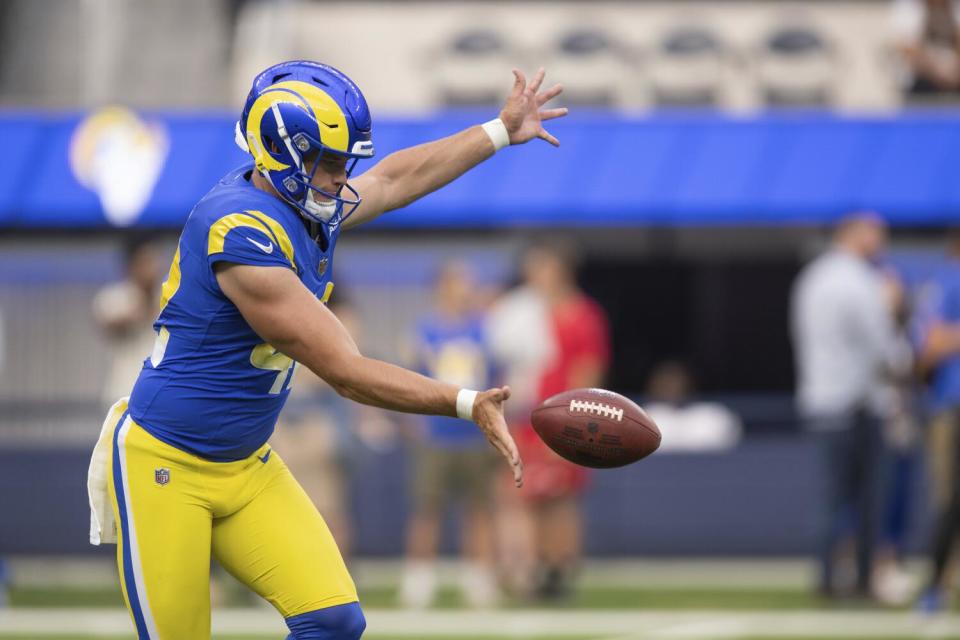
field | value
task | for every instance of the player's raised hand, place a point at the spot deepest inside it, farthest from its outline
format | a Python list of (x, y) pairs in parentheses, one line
[(523, 114), (488, 414)]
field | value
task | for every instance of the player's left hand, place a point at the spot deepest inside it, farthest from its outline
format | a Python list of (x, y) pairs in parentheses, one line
[(488, 415), (522, 114)]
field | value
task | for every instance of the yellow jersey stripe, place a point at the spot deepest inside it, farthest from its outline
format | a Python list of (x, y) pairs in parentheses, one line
[(219, 230), (279, 234), (172, 283)]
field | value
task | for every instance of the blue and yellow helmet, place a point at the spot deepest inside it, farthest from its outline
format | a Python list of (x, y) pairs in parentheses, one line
[(301, 110)]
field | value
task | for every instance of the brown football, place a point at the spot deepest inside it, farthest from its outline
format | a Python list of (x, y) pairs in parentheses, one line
[(596, 428)]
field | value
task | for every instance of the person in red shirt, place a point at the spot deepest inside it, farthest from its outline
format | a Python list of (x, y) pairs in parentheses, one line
[(550, 507)]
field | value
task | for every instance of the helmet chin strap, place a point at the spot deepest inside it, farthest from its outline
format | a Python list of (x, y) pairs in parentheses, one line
[(323, 211)]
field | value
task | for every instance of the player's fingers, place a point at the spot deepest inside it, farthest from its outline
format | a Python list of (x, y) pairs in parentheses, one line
[(537, 80), (549, 94), (546, 135), (517, 465), (505, 390), (550, 114), (512, 452), (504, 450), (515, 454), (508, 448), (518, 84), (504, 441)]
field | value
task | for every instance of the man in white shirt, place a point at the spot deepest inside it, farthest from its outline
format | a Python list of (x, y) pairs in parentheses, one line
[(842, 329)]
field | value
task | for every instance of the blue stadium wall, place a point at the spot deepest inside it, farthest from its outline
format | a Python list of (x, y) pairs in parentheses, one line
[(659, 169)]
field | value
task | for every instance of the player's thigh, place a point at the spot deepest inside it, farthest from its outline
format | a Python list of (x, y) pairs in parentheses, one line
[(163, 549), (280, 546)]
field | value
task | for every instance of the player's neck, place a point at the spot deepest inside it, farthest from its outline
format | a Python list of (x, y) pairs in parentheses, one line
[(257, 180)]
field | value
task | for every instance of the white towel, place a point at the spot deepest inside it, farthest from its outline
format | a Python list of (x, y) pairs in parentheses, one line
[(103, 525)]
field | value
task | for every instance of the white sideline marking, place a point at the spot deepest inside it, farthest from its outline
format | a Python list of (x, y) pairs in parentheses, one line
[(608, 625)]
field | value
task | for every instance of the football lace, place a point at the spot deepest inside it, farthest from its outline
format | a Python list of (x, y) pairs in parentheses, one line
[(598, 408)]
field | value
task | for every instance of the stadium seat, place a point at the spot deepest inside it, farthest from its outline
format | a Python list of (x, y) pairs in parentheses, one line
[(591, 67), (797, 67), (474, 68), (687, 69)]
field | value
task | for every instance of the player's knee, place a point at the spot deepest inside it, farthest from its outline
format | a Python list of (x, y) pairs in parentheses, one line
[(343, 622)]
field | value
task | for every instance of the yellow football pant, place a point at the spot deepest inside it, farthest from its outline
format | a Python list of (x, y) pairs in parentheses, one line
[(173, 508)]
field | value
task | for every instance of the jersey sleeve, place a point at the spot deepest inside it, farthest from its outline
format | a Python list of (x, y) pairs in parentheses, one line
[(250, 237)]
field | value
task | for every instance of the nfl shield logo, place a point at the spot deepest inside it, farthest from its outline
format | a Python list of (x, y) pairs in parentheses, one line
[(161, 476), (323, 265)]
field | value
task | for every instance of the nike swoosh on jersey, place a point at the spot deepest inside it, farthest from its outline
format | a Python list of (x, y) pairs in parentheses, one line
[(266, 248), (265, 457)]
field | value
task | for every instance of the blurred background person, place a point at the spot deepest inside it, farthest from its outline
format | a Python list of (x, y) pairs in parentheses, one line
[(892, 584), (938, 337), (842, 327), (519, 328), (548, 509), (125, 312), (927, 39), (687, 424), (4, 577), (318, 436), (3, 341), (452, 465)]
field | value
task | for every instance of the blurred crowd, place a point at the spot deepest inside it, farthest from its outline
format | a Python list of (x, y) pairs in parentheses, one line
[(878, 375), (877, 362)]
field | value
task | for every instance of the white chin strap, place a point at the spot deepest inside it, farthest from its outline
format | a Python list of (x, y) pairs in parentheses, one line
[(322, 211)]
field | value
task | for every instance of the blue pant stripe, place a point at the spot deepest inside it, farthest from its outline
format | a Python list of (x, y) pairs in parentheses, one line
[(128, 577)]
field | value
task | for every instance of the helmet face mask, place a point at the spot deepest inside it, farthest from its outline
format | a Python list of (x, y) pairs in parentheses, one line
[(296, 114), (299, 189)]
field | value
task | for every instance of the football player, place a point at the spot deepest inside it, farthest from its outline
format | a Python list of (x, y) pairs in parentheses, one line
[(184, 462)]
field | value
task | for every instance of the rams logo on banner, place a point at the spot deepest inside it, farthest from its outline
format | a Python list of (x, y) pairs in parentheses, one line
[(119, 156)]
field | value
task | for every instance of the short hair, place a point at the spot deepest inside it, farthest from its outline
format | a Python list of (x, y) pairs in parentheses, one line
[(452, 267), (564, 249), (854, 218)]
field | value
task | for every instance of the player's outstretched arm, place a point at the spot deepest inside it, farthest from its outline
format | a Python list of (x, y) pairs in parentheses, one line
[(410, 174), (285, 314)]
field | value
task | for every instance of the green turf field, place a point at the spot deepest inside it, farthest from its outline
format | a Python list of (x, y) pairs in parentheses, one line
[(651, 602), (449, 598)]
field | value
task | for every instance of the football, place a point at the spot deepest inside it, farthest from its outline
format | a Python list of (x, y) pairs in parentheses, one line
[(596, 428)]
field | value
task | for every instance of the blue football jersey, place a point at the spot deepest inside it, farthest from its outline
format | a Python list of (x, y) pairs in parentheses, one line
[(939, 302), (454, 351), (212, 386)]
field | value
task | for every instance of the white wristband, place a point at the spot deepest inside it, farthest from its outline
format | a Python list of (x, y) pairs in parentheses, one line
[(498, 133), (465, 400)]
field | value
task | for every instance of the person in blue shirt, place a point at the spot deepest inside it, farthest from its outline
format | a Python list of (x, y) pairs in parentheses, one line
[(937, 327), (452, 464), (182, 469)]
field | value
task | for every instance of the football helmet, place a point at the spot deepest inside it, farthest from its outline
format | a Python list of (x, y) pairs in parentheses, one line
[(295, 113)]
